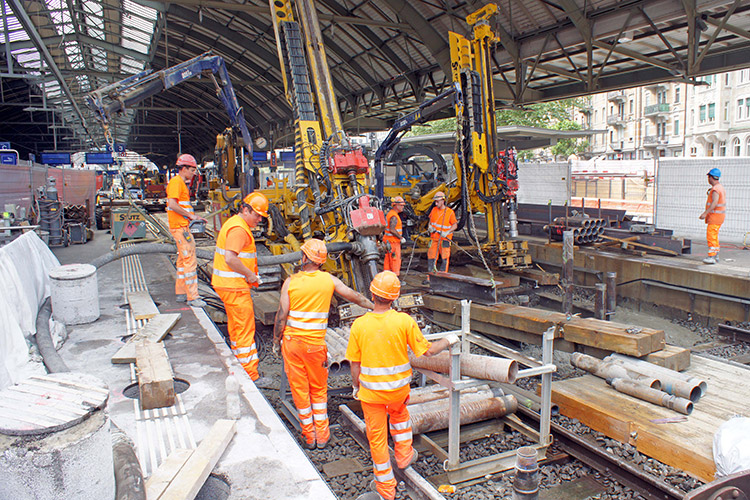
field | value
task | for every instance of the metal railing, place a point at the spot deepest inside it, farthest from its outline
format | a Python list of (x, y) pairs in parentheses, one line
[(655, 109)]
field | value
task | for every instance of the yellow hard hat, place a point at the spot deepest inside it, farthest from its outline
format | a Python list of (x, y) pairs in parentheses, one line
[(386, 285), (258, 202), (315, 250)]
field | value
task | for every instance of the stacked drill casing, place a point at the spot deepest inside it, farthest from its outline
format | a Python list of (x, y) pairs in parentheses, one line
[(586, 230)]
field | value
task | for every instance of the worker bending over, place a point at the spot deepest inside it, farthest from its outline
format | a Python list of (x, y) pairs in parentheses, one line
[(714, 215), (235, 273), (381, 374), (302, 319), (442, 224), (394, 235), (179, 215)]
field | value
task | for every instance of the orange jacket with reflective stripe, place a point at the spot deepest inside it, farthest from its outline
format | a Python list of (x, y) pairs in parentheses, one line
[(178, 190), (387, 235), (719, 213), (223, 276), (309, 302), (441, 220), (378, 341)]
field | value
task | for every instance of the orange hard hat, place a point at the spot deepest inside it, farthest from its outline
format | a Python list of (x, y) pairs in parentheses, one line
[(186, 160), (258, 202), (438, 195), (315, 250), (386, 285)]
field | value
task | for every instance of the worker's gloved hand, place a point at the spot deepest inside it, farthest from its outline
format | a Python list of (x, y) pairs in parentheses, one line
[(253, 278), (276, 347), (445, 234), (355, 393), (403, 240), (452, 339)]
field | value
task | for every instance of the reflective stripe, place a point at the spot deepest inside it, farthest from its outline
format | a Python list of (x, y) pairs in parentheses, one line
[(244, 350), (190, 282), (386, 370), (232, 343), (190, 275), (381, 478), (401, 426), (385, 386), (306, 326), (180, 268), (309, 315), (241, 255), (306, 421), (440, 226), (382, 467), (322, 416), (319, 406), (247, 359), (304, 411), (402, 437), (228, 274)]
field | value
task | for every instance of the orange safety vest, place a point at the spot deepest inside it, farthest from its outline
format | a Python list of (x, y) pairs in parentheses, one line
[(309, 302), (223, 276), (441, 220), (388, 236), (178, 190), (719, 213)]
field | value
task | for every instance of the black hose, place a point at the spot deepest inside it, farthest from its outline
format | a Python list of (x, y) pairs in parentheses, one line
[(50, 356)]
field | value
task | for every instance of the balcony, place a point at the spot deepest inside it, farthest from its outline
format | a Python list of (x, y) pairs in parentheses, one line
[(586, 109), (652, 141), (655, 110), (617, 145), (616, 120), (617, 96), (656, 87)]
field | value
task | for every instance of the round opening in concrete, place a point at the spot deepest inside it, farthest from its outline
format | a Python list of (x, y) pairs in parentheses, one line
[(215, 488), (124, 306), (125, 338), (133, 392)]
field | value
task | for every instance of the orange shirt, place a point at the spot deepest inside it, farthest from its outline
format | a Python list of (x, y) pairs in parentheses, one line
[(310, 296), (388, 236), (441, 220), (719, 213), (235, 235), (178, 190), (379, 342)]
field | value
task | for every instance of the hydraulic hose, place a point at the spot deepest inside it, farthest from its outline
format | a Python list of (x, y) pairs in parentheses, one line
[(129, 484)]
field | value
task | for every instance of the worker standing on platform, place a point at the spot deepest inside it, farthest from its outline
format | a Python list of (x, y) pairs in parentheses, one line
[(179, 215), (302, 319), (394, 235), (381, 375), (714, 215), (235, 273), (442, 224)]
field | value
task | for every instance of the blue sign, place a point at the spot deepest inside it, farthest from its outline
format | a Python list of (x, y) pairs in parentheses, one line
[(260, 155), (100, 158), (8, 158), (287, 156), (4, 145), (119, 148), (56, 158)]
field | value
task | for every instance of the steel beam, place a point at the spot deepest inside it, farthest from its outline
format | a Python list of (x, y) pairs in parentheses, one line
[(463, 287)]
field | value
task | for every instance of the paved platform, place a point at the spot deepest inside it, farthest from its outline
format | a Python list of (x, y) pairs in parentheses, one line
[(263, 461)]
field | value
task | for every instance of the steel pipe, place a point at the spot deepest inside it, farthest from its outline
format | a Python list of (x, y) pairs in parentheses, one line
[(336, 341), (434, 392), (444, 403), (654, 396), (471, 412), (472, 365), (611, 370), (526, 480), (672, 382)]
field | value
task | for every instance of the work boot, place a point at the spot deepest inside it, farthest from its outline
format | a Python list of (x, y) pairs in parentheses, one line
[(322, 446), (181, 297), (710, 260), (264, 382), (196, 303), (308, 446), (414, 457), (371, 495)]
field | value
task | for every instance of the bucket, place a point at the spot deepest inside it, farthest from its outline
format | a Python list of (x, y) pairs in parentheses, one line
[(75, 294)]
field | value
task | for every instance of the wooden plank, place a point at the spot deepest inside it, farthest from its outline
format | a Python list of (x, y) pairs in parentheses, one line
[(155, 377), (154, 331), (593, 333), (193, 474), (162, 477), (141, 305), (265, 305), (672, 357)]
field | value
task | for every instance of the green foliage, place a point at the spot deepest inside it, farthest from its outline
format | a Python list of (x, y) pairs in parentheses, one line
[(433, 127)]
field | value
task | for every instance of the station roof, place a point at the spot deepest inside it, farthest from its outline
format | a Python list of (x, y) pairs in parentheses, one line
[(386, 56)]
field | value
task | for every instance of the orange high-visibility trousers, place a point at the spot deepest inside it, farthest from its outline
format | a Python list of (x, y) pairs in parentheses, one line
[(712, 238), (376, 421), (444, 246), (306, 369), (241, 328), (187, 277), (392, 260)]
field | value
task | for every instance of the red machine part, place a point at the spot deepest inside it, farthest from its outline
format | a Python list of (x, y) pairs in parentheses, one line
[(507, 170), (349, 160), (367, 220)]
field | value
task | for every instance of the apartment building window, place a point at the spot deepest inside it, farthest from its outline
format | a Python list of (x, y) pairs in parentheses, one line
[(712, 111), (692, 117), (661, 97), (710, 149), (736, 146), (747, 107), (702, 113), (726, 110), (677, 94), (631, 106), (747, 146), (726, 79), (693, 151), (722, 148), (740, 103), (677, 127)]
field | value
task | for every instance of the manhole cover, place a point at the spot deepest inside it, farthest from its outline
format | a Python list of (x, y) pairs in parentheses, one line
[(215, 488), (132, 391)]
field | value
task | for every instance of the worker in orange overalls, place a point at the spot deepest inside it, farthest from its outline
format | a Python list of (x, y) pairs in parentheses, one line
[(716, 206), (179, 215), (442, 224), (381, 374), (302, 320), (235, 273), (394, 235)]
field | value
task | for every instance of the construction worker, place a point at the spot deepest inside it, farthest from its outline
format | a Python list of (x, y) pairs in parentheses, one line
[(381, 374), (179, 215), (394, 235), (235, 273), (442, 224), (716, 206), (302, 319)]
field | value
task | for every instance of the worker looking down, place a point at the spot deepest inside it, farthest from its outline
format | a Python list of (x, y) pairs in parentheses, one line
[(381, 374), (442, 224), (302, 320), (235, 273), (714, 215), (394, 235), (179, 215)]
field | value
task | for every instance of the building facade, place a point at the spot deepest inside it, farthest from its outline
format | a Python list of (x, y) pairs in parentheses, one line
[(709, 119)]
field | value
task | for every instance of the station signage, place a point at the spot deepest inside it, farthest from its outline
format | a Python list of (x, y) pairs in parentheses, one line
[(100, 158), (56, 158)]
